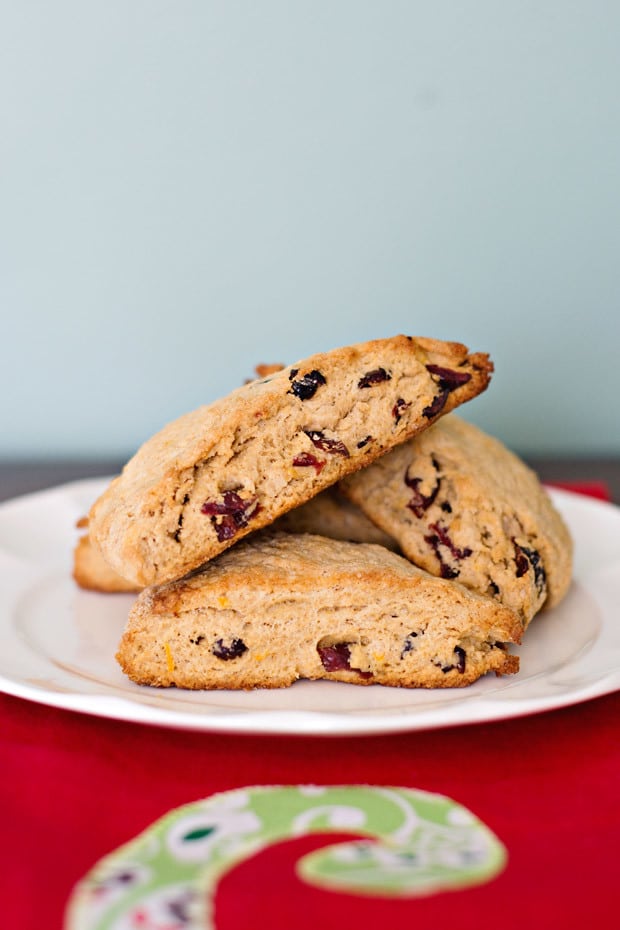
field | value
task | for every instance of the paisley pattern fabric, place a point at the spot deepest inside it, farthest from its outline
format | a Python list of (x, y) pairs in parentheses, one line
[(414, 843)]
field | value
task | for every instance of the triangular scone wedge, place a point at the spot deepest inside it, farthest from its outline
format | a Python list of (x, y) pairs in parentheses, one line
[(280, 607), (462, 506), (214, 475)]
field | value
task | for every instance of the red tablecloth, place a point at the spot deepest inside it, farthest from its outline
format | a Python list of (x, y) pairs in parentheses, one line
[(76, 787)]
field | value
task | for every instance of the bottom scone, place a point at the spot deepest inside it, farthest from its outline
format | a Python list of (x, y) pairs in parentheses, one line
[(282, 607), (92, 572)]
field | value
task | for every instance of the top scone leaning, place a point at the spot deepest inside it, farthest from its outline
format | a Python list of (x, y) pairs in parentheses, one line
[(227, 469)]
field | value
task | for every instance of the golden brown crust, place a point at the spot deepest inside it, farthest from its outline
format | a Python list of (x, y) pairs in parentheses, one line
[(342, 408), (279, 607)]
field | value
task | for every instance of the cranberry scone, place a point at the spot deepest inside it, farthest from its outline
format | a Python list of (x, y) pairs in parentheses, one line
[(222, 471), (92, 572), (462, 506), (280, 607), (331, 514)]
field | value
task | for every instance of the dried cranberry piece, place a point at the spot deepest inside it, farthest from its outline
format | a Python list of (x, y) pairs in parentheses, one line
[(440, 538), (399, 408), (445, 540), (449, 380), (226, 528), (446, 570), (231, 503), (376, 376), (461, 657), (234, 513), (408, 645), (307, 459), (333, 446), (540, 575), (307, 386), (525, 557), (225, 652), (421, 502), (337, 657), (364, 442), (437, 405), (521, 560)]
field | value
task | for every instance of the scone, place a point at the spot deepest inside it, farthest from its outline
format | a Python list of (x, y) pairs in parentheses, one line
[(280, 607), (328, 514), (92, 572), (462, 506), (222, 471), (333, 515)]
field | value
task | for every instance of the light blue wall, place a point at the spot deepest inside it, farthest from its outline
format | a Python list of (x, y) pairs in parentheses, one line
[(188, 188)]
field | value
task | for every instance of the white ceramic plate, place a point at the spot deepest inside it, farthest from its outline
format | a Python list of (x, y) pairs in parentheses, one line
[(57, 643)]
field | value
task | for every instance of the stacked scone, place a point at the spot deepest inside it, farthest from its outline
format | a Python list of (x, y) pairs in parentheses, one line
[(370, 537)]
